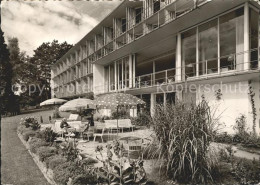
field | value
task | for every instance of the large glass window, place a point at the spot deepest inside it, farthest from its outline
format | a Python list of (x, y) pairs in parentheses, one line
[(159, 98), (161, 65), (123, 21), (170, 98), (253, 36), (138, 15), (147, 99), (189, 52), (107, 78), (144, 68), (144, 71), (123, 73), (156, 6), (119, 74), (208, 47), (231, 32), (112, 77)]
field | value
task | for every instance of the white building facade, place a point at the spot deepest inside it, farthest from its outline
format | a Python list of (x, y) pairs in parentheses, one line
[(166, 50)]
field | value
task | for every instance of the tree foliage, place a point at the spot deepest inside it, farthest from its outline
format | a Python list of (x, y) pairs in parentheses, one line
[(37, 71), (8, 102), (45, 56)]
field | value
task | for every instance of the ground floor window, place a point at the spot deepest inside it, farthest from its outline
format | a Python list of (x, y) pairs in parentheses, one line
[(159, 98), (170, 98)]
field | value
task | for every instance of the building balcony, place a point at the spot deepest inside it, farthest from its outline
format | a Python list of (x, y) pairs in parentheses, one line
[(226, 66)]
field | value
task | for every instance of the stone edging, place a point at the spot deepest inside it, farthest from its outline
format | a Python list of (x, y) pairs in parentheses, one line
[(47, 173)]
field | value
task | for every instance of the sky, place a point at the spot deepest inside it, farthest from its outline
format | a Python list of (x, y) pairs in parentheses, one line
[(35, 22)]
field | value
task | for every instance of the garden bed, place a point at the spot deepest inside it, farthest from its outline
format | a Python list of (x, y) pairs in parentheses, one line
[(58, 163), (48, 173)]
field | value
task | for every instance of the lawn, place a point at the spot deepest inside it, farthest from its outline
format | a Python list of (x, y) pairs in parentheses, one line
[(17, 166)]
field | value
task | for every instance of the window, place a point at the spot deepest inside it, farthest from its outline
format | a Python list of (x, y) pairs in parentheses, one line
[(107, 78), (161, 65), (123, 21), (208, 47), (231, 33), (147, 99), (112, 77), (189, 52), (138, 15), (123, 73), (159, 98), (144, 68), (156, 6), (170, 98), (164, 63), (253, 36)]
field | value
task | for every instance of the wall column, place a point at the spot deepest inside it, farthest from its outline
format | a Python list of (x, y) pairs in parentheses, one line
[(152, 104), (130, 71), (178, 59), (133, 66)]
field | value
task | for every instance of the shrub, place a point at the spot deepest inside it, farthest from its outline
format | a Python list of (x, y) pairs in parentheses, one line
[(183, 133), (21, 129), (89, 161), (49, 135), (53, 161), (70, 151), (30, 122), (142, 119), (64, 171), (45, 151), (84, 179), (223, 138), (36, 143), (247, 171), (27, 134), (120, 114), (39, 134)]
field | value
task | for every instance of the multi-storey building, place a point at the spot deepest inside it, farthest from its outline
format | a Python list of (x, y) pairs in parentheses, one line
[(168, 49)]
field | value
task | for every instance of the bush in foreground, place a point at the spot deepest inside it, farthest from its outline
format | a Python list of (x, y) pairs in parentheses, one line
[(27, 134), (46, 151), (36, 143), (53, 161), (183, 134), (64, 171), (84, 179)]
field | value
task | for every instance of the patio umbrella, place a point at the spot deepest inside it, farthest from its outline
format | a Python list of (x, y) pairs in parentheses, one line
[(53, 101), (78, 104), (116, 100)]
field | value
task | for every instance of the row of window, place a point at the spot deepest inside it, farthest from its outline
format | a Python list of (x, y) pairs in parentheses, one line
[(219, 42), (212, 47)]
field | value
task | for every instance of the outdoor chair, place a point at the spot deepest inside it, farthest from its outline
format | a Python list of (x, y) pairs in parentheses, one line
[(82, 129), (134, 149), (74, 117), (88, 133), (125, 123), (96, 134), (111, 125)]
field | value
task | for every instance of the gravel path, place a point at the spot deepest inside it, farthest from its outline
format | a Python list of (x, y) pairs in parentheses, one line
[(17, 165)]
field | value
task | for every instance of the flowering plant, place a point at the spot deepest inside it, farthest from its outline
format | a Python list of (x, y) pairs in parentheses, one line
[(118, 169)]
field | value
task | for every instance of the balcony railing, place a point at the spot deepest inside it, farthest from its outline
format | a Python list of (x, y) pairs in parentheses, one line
[(225, 65)]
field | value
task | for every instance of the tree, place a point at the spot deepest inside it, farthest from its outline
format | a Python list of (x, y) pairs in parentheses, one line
[(45, 56), (16, 59), (8, 99)]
